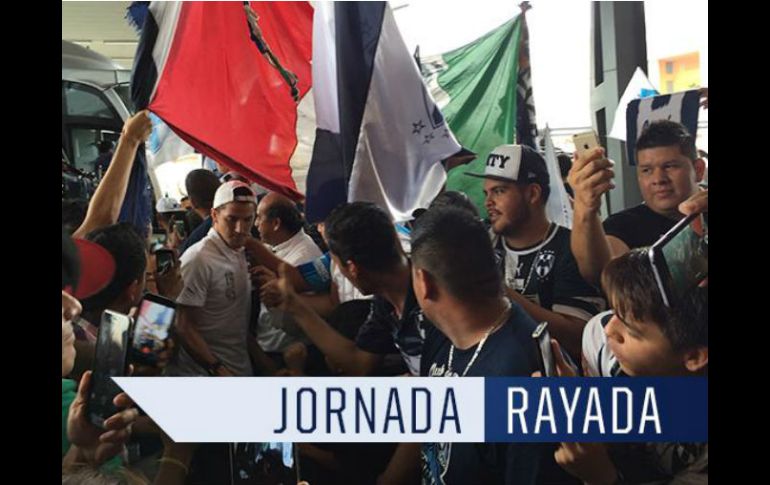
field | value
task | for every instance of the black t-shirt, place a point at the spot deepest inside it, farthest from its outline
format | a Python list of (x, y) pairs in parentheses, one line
[(547, 274), (195, 236), (384, 333), (638, 226), (509, 351)]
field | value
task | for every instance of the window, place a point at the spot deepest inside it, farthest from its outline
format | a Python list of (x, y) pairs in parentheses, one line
[(669, 67), (83, 100), (84, 146)]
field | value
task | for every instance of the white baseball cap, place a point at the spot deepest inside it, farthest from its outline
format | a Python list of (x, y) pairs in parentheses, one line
[(234, 191), (233, 175), (515, 163), (167, 204)]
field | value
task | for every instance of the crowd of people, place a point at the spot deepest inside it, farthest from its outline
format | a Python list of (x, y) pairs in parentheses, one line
[(260, 292)]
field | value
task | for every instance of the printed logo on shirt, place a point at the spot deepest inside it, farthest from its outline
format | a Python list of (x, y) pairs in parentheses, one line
[(513, 269), (189, 290), (440, 371), (544, 263), (230, 285)]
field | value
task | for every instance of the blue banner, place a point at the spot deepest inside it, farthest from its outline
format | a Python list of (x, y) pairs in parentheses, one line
[(424, 409), (596, 409)]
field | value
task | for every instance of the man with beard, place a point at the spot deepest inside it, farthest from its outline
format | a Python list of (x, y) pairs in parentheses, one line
[(540, 272)]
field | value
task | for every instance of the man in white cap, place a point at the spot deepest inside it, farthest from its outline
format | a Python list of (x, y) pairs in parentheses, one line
[(167, 204), (259, 191), (169, 212), (540, 272), (215, 305)]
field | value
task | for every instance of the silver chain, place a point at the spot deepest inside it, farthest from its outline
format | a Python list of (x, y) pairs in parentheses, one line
[(502, 318)]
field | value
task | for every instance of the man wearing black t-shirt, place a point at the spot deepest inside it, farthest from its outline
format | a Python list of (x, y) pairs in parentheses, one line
[(534, 254), (477, 332), (364, 245), (668, 172)]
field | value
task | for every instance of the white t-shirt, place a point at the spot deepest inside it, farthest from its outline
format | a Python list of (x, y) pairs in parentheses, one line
[(216, 281), (346, 291), (598, 360), (297, 250)]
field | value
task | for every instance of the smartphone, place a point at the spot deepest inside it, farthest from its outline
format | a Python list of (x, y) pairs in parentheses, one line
[(585, 142), (157, 239), (680, 259), (180, 228), (545, 352), (111, 360), (153, 323), (164, 260)]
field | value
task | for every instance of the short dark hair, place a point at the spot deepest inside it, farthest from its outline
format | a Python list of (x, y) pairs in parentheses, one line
[(452, 198), (454, 247), (193, 220), (363, 233), (666, 133), (287, 212), (545, 190), (201, 185), (631, 289), (448, 198), (128, 249)]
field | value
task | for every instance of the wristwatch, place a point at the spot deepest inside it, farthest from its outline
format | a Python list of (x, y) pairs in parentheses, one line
[(213, 368)]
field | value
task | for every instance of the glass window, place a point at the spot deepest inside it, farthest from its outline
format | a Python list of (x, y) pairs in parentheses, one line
[(86, 101), (85, 143)]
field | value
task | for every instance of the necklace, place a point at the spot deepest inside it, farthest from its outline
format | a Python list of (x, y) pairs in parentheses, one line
[(502, 318), (534, 260)]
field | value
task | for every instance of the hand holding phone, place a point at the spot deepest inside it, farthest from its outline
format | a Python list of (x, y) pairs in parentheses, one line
[(545, 353), (680, 259), (153, 324), (552, 360), (111, 360), (165, 259), (83, 434), (585, 142), (589, 188), (180, 228)]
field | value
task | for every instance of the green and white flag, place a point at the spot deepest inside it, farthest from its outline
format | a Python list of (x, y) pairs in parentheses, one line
[(484, 91)]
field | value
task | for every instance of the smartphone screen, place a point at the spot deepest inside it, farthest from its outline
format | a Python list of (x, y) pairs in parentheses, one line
[(543, 341), (680, 259), (157, 239), (112, 343), (164, 260), (153, 322), (180, 229)]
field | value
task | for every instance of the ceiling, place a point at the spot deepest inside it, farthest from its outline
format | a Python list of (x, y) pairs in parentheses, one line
[(102, 27)]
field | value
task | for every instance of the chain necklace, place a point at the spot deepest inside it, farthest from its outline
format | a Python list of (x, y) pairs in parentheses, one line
[(502, 318), (534, 260)]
